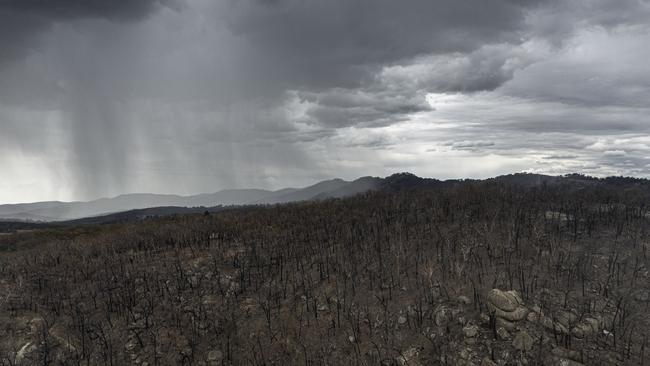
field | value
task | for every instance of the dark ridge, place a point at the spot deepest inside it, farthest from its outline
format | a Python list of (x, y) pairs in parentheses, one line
[(126, 207)]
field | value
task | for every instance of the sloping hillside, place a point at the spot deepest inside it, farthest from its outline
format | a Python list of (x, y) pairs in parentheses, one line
[(471, 273)]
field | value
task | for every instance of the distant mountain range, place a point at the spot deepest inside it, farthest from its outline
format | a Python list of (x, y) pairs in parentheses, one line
[(132, 205), (63, 211)]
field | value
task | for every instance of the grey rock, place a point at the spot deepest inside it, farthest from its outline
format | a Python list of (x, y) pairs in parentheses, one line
[(510, 326), (522, 341), (470, 331), (503, 300), (518, 314), (566, 318), (587, 327), (549, 324), (214, 355)]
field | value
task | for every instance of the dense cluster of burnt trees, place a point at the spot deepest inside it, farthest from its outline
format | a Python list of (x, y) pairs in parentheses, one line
[(380, 278)]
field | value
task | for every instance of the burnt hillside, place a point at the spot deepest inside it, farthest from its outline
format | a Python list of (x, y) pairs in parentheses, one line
[(473, 273)]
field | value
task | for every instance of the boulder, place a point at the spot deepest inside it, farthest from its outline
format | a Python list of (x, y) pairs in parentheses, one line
[(470, 331), (510, 326), (506, 305), (503, 300), (585, 328), (522, 341), (566, 318), (517, 314), (214, 355), (549, 324)]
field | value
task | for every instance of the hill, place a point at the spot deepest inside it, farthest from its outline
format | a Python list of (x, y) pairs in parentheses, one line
[(495, 272), (335, 188)]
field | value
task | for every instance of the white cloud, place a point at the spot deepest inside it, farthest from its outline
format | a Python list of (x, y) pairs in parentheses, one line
[(615, 153)]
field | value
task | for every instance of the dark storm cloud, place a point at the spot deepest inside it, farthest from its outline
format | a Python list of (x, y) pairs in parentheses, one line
[(22, 21), (355, 50), (336, 43), (110, 9)]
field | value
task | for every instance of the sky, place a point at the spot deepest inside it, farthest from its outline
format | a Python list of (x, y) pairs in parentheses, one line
[(104, 97)]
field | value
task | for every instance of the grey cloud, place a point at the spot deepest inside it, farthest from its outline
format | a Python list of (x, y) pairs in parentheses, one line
[(615, 153), (338, 107), (62, 9), (23, 21), (399, 91), (599, 68), (560, 137), (224, 93), (559, 157), (486, 68), (471, 145), (553, 72), (337, 43), (560, 19)]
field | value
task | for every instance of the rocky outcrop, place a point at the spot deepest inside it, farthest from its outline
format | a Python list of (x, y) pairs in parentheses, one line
[(560, 323), (587, 327), (503, 300), (506, 305), (516, 315)]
